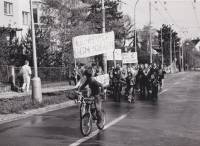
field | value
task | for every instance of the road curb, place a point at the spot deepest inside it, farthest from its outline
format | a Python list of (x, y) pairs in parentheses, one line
[(25, 114)]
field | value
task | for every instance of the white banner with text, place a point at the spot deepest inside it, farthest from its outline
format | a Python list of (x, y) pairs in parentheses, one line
[(130, 57), (95, 44), (104, 79)]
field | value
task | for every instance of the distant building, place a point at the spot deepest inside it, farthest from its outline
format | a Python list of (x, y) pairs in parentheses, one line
[(197, 44)]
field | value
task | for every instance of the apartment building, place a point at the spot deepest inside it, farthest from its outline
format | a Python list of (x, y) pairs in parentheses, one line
[(15, 17)]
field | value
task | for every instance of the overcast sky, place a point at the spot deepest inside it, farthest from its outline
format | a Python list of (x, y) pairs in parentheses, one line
[(178, 12)]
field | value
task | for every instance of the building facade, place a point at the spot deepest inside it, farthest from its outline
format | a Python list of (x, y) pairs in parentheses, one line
[(15, 17)]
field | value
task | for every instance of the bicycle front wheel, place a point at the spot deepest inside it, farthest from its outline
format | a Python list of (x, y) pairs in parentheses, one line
[(86, 124), (82, 109)]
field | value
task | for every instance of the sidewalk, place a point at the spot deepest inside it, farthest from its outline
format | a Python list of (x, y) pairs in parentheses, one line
[(28, 113), (12, 94)]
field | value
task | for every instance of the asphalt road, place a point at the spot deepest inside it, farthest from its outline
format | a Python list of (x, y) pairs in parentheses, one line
[(174, 120)]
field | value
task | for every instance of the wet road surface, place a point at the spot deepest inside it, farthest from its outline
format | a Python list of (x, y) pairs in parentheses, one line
[(173, 120)]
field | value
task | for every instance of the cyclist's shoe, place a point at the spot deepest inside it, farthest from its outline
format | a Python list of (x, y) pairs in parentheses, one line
[(100, 122)]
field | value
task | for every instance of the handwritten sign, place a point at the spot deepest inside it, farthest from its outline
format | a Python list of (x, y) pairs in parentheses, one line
[(130, 57), (104, 79), (91, 45), (118, 55)]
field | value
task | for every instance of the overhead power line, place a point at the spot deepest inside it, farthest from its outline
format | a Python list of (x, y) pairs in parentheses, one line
[(158, 11), (141, 10), (169, 14), (195, 14)]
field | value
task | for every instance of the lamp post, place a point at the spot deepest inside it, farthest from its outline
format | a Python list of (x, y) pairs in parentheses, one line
[(36, 82), (104, 56), (135, 26), (162, 47)]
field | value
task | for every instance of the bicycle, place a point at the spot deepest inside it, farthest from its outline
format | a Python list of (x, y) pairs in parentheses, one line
[(88, 114)]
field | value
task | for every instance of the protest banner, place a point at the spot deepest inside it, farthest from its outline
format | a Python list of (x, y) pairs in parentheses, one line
[(130, 57), (118, 55), (91, 45), (104, 79)]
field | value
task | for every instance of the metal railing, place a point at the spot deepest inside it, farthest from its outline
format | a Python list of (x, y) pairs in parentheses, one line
[(4, 74), (49, 74)]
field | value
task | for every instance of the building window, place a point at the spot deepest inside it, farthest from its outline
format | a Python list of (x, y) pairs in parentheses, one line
[(25, 17), (35, 15), (8, 8)]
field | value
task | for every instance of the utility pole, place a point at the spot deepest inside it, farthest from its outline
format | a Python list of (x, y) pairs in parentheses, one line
[(135, 26), (36, 82), (162, 48), (182, 58), (171, 60), (150, 44), (104, 56), (174, 52)]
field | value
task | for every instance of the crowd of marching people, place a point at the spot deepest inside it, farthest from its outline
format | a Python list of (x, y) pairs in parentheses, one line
[(143, 78)]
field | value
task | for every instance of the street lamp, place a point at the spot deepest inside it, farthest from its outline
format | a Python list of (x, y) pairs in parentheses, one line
[(36, 82), (135, 26)]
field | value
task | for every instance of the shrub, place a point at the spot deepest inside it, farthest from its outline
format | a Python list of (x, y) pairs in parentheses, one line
[(19, 104)]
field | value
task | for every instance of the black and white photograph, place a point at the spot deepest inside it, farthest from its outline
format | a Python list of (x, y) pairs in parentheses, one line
[(99, 72)]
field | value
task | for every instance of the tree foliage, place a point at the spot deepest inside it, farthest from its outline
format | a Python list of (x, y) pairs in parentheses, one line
[(166, 30)]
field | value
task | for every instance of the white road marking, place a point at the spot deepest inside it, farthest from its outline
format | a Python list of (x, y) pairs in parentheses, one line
[(163, 91), (97, 131), (176, 83), (78, 142)]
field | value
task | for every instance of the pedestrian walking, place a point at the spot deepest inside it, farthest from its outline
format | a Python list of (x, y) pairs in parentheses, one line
[(26, 73), (161, 74)]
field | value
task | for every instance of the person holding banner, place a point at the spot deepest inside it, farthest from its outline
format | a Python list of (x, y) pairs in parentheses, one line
[(130, 86), (100, 71), (117, 83), (154, 81)]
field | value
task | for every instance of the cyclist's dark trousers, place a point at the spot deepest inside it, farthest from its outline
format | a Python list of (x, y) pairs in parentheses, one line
[(154, 91), (98, 104)]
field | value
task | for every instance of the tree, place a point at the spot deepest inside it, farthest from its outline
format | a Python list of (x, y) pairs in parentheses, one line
[(11, 51), (42, 40), (65, 19), (166, 42)]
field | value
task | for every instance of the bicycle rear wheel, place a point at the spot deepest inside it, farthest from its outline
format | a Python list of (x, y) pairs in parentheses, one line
[(104, 120), (86, 124)]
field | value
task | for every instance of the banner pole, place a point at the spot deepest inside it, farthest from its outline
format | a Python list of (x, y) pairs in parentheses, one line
[(114, 59), (75, 71)]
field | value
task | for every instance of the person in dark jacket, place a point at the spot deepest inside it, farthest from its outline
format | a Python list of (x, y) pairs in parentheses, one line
[(154, 81)]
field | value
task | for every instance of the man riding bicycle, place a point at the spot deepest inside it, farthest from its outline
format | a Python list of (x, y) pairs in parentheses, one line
[(95, 92)]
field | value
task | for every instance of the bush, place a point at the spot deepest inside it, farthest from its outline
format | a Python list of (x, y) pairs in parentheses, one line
[(19, 104)]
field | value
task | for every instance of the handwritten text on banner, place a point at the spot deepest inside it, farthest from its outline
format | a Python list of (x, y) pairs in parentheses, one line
[(91, 45), (130, 57), (104, 79)]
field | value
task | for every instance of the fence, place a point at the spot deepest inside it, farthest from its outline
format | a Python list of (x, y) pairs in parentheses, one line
[(4, 74), (48, 74)]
